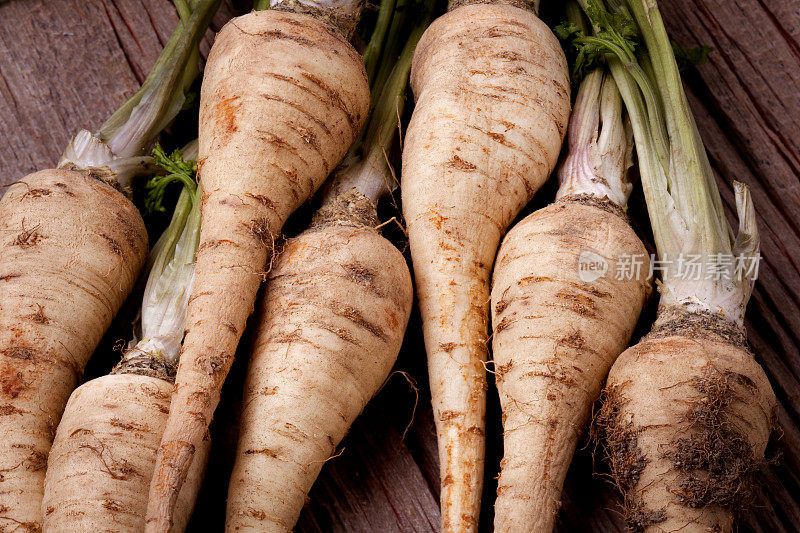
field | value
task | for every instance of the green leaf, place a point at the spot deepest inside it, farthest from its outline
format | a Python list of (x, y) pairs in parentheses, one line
[(176, 170), (189, 101), (689, 57), (614, 32)]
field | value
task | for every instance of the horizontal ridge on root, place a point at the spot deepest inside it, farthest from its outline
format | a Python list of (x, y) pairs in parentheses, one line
[(592, 200), (675, 320)]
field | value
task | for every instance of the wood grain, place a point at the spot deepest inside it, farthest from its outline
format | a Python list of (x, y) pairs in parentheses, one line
[(67, 64)]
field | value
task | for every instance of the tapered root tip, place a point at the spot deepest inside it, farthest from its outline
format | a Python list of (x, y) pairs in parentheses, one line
[(461, 454), (175, 457)]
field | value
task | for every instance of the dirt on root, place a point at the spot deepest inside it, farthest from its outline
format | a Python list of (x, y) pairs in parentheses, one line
[(718, 460), (619, 439)]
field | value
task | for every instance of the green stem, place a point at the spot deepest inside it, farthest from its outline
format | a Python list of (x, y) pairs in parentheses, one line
[(163, 98), (170, 277), (372, 176), (398, 18), (372, 52), (121, 115), (261, 5), (599, 146), (183, 8), (393, 44), (698, 188)]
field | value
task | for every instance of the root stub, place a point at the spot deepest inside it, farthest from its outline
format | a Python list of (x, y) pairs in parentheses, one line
[(684, 424)]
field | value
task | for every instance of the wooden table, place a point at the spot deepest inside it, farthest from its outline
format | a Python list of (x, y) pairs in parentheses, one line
[(66, 64)]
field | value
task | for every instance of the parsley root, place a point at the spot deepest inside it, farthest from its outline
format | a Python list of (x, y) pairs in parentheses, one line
[(284, 95), (558, 328), (492, 101)]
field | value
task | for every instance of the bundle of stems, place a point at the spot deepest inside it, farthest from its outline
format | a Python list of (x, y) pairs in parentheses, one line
[(561, 313)]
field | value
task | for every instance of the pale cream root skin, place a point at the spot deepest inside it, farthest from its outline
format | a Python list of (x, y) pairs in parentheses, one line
[(71, 248), (102, 459), (283, 97), (331, 325), (492, 103), (654, 385), (555, 338)]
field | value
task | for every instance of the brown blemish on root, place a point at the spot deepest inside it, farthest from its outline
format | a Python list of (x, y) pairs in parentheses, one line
[(460, 164), (119, 470), (349, 208), (263, 200), (599, 203), (113, 244), (20, 352), (263, 451), (38, 193), (214, 244), (639, 518), (226, 113), (65, 188), (9, 277), (334, 97), (7, 409), (27, 238), (534, 279), (341, 333), (260, 228), (676, 321), (505, 323), (213, 364), (146, 365), (574, 340), (131, 230), (36, 461), (257, 514), (501, 305), (449, 415), (113, 506), (273, 35), (363, 276), (578, 303), (127, 426), (475, 430), (38, 317)]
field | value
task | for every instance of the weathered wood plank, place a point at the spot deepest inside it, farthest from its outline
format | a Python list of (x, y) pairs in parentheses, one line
[(68, 65)]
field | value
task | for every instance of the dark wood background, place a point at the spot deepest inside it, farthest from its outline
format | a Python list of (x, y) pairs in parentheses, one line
[(68, 64)]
